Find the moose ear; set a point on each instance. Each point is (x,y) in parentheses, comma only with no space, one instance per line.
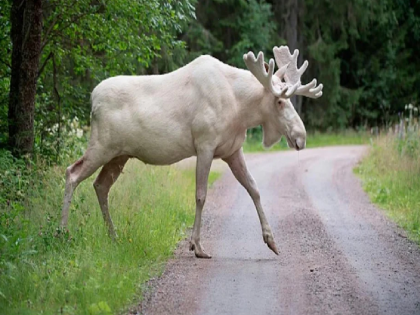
(266,66)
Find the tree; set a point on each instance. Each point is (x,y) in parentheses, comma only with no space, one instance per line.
(241,26)
(289,15)
(365,54)
(26,29)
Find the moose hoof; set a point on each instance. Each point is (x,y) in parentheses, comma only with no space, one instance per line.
(202,255)
(269,240)
(198,251)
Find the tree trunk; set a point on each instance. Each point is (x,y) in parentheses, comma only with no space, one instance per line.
(26,29)
(287,14)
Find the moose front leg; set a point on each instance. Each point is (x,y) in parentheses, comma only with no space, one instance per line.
(237,164)
(204,160)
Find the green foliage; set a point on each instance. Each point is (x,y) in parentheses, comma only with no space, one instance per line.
(346,137)
(242,26)
(391,176)
(14,177)
(113,37)
(364,53)
(62,140)
(5,65)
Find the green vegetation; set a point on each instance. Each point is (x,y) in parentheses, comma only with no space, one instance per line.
(213,176)
(254,145)
(318,139)
(314,140)
(82,271)
(391,177)
(363,52)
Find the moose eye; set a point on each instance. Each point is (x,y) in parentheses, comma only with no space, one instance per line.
(281,104)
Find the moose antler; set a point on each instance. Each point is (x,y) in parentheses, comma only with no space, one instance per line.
(265,76)
(288,72)
(293,74)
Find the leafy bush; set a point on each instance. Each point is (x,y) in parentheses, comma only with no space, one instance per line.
(14,178)
(62,141)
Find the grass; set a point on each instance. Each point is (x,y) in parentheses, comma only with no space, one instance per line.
(391,177)
(313,140)
(318,139)
(46,271)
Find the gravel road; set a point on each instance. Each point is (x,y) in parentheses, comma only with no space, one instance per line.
(338,253)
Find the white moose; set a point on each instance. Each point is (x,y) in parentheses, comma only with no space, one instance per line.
(203,110)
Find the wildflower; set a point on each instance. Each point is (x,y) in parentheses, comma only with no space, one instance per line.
(79,133)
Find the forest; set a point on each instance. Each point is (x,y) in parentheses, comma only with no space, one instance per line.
(53,53)
(364,52)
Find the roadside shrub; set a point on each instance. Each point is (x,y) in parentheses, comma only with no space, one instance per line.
(391,172)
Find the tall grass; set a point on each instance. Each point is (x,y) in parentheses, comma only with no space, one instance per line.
(46,271)
(391,175)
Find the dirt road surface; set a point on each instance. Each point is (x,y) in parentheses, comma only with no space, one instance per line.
(338,253)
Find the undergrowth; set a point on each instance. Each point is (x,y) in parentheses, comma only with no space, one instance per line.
(44,270)
(391,176)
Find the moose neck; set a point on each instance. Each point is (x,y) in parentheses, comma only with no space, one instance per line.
(251,98)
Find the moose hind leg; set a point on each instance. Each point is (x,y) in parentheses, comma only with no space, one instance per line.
(106,178)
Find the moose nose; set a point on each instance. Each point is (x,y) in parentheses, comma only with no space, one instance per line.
(300,143)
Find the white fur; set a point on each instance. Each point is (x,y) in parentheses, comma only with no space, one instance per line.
(162,119)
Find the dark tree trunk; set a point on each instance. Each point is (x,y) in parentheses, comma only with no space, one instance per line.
(287,13)
(292,33)
(16,18)
(26,19)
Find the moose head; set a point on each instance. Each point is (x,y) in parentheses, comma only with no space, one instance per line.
(282,85)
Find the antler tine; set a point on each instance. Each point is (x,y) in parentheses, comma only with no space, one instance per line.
(302,69)
(257,68)
(292,74)
(283,58)
(310,90)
